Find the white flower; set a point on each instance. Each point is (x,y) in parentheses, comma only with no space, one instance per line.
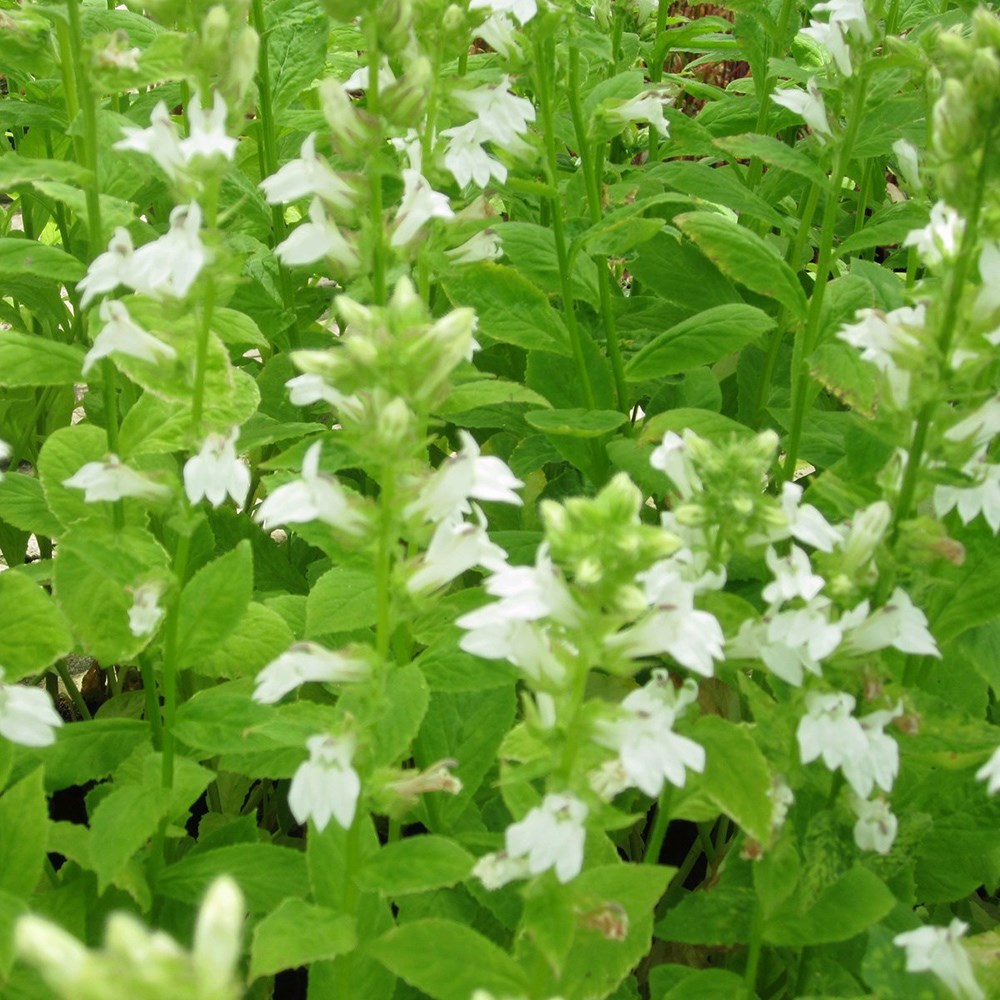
(807,104)
(988,298)
(326,785)
(169,265)
(121,334)
(793,577)
(466,159)
(551,836)
(358,80)
(485,245)
(850,14)
(981,498)
(876,827)
(308,175)
(832,38)
(502,117)
(61,959)
(693,638)
(314,496)
(980,426)
(420,204)
(108,270)
(523,10)
(990,773)
(304,390)
(464,475)
(216,949)
(898,623)
(649,751)
(111,480)
(645,107)
(145,615)
(160,141)
(317,239)
(216,471)
(907,163)
(860,748)
(672,458)
(525,644)
(939,950)
(499,33)
(26,715)
(207,136)
(455,547)
(941,238)
(5,452)
(304,662)
(805,522)
(885,339)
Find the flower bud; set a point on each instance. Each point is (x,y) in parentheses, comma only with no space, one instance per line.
(242,63)
(216,948)
(454,22)
(395,25)
(405,101)
(349,129)
(395,423)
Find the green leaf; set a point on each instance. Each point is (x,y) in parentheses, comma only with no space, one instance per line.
(775,153)
(416,864)
(123,821)
(685,983)
(267,874)
(24,819)
(16,170)
(576,423)
(95,574)
(448,668)
(237,329)
(679,272)
(298,933)
(448,961)
(401,713)
(26,359)
(296,38)
(704,423)
(260,637)
(839,368)
(702,339)
(532,250)
(223,720)
(488,392)
(11,909)
(888,227)
(33,630)
(342,600)
(22,504)
(745,257)
(736,775)
(64,453)
(212,604)
(853,903)
(91,752)
(20,257)
(717,185)
(509,308)
(720,917)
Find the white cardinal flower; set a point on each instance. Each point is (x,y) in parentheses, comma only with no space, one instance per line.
(207,136)
(983,497)
(317,239)
(305,662)
(465,475)
(108,270)
(497,869)
(309,175)
(485,245)
(898,623)
(27,715)
(940,950)
(326,786)
(646,107)
(170,264)
(456,546)
(5,452)
(833,38)
(990,773)
(160,141)
(551,836)
(807,104)
(145,615)
(501,117)
(649,751)
(216,948)
(793,577)
(941,238)
(216,471)
(467,160)
(907,163)
(420,204)
(876,827)
(112,480)
(122,335)
(671,457)
(523,10)
(805,523)
(315,496)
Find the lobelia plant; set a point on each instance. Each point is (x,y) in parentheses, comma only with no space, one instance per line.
(517,482)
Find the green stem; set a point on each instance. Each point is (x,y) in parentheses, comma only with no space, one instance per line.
(349,904)
(383,565)
(374,165)
(661,821)
(170,665)
(805,341)
(149,689)
(207,310)
(591,158)
(72,690)
(753,953)
(545,53)
(656,71)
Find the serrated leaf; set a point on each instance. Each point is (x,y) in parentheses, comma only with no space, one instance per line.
(745,257)
(260,637)
(24,818)
(416,864)
(773,152)
(576,423)
(489,392)
(91,752)
(840,369)
(298,933)
(123,821)
(448,961)
(34,632)
(20,257)
(702,339)
(718,185)
(22,504)
(704,423)
(342,600)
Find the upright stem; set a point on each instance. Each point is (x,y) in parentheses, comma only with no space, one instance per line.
(591,157)
(805,341)
(170,665)
(205,322)
(654,845)
(545,53)
(374,164)
(383,565)
(656,70)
